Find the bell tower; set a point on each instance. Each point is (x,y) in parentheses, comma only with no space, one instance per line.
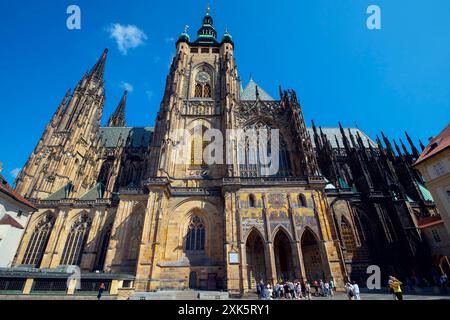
(202,88)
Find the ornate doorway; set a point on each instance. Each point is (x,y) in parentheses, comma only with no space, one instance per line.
(311,257)
(256,267)
(283,257)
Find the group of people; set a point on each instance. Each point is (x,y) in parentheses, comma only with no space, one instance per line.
(295,290)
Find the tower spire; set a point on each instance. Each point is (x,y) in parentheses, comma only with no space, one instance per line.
(414,150)
(99,69)
(207,34)
(117,119)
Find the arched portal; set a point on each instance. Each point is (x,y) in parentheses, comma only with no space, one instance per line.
(256,268)
(311,257)
(283,257)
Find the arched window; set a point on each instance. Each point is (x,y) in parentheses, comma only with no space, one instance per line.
(38,242)
(198,91)
(73,249)
(103,177)
(302,201)
(251,201)
(195,239)
(206,91)
(101,256)
(198,147)
(347,237)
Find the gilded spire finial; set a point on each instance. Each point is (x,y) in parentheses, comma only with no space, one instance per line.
(208,9)
(186,28)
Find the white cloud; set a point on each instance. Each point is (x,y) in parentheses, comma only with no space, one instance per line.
(127,37)
(14,173)
(127,86)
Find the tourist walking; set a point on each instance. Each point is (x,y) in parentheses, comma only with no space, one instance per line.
(331,287)
(101,289)
(327,289)
(396,286)
(356,291)
(349,290)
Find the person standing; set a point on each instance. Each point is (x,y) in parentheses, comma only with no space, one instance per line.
(259,289)
(396,286)
(327,289)
(331,287)
(349,290)
(443,280)
(101,289)
(356,291)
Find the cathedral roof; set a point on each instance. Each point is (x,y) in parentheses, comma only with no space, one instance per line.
(332,132)
(253,90)
(139,137)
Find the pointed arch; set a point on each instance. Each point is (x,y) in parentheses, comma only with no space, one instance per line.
(347,236)
(76,240)
(251,201)
(196,235)
(312,257)
(104,174)
(255,257)
(283,255)
(103,247)
(39,239)
(302,202)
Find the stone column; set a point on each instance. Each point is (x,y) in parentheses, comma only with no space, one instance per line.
(92,244)
(269,253)
(146,273)
(234,275)
(295,245)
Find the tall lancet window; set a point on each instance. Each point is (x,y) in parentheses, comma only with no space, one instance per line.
(195,239)
(76,240)
(255,154)
(38,242)
(203,88)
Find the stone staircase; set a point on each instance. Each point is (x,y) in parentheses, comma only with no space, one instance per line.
(55,297)
(180,295)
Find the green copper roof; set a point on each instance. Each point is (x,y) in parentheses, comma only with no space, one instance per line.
(139,137)
(95,193)
(425,193)
(329,185)
(63,193)
(250,93)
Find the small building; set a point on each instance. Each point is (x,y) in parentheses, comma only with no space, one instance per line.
(14,213)
(434,164)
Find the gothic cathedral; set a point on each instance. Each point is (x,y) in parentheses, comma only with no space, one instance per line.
(115,200)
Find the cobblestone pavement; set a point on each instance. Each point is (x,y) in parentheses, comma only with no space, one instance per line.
(366,296)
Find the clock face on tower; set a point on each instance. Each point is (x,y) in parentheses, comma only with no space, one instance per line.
(203,77)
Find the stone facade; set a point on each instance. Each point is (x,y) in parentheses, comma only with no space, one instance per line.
(117,200)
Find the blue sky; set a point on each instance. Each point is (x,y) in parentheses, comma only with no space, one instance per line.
(393,79)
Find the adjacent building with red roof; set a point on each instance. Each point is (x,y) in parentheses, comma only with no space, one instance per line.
(14,213)
(434,164)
